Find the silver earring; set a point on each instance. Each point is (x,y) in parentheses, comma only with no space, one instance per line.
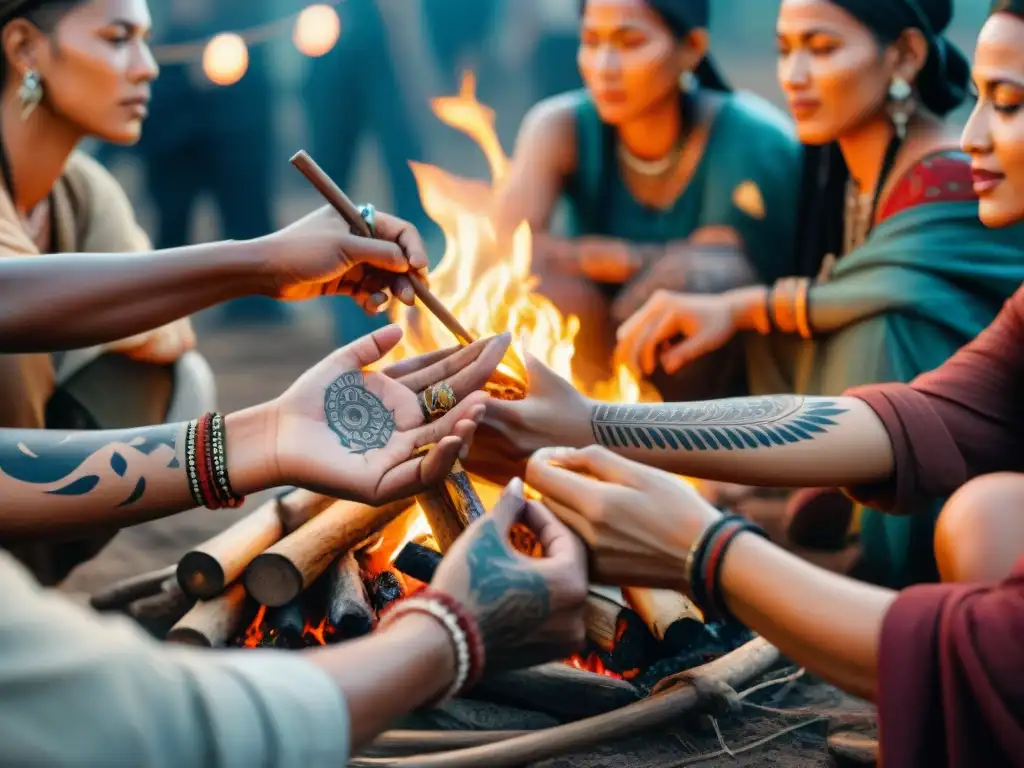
(30,93)
(901,105)
(688,82)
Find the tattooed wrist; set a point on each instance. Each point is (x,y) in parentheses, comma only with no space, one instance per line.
(508,598)
(750,423)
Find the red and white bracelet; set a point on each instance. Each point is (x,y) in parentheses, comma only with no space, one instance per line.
(462,630)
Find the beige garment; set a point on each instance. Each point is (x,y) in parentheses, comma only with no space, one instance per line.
(91,213)
(79,689)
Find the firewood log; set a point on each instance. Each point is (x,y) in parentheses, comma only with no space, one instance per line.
(207,569)
(348,605)
(451,506)
(601,616)
(284,570)
(672,618)
(121,593)
(212,623)
(157,614)
(418,561)
(558,690)
(283,626)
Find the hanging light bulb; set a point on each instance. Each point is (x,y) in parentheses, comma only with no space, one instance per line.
(317,30)
(226,58)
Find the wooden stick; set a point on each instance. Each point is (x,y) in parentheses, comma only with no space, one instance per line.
(284,625)
(348,605)
(418,561)
(284,570)
(734,669)
(205,571)
(121,593)
(157,614)
(212,623)
(343,205)
(451,506)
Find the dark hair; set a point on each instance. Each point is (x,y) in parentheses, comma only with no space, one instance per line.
(44,14)
(942,86)
(682,17)
(1014,7)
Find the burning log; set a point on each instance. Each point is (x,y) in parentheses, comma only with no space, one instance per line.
(451,506)
(673,620)
(386,587)
(205,571)
(157,614)
(348,605)
(121,593)
(418,561)
(211,623)
(284,627)
(284,570)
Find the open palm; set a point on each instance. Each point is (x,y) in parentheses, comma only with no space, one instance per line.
(353,433)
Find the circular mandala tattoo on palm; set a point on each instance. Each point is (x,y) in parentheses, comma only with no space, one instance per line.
(356,415)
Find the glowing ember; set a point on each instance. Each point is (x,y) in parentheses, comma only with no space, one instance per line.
(316,633)
(254,632)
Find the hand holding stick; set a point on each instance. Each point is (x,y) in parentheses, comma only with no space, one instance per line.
(344,206)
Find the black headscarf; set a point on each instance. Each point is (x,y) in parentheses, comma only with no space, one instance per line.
(1008,6)
(682,17)
(941,86)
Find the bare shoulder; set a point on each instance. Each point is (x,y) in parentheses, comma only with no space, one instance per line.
(548,131)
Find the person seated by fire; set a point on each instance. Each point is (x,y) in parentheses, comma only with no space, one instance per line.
(942,661)
(896,269)
(669,179)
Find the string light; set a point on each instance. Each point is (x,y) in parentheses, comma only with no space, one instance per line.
(317,30)
(226,58)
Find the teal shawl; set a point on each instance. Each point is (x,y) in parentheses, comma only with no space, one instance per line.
(926,282)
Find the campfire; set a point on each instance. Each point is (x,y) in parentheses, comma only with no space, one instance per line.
(304,569)
(308,570)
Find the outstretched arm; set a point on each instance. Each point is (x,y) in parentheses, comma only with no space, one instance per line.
(101,297)
(781,440)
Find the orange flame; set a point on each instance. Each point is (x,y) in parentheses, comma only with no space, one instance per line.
(489,291)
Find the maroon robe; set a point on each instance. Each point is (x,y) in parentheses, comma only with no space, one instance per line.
(951,664)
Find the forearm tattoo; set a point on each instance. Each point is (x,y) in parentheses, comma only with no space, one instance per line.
(76,463)
(356,415)
(511,600)
(742,423)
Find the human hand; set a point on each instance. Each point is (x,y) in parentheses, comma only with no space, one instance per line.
(529,610)
(319,255)
(353,433)
(552,413)
(706,324)
(601,259)
(160,346)
(639,522)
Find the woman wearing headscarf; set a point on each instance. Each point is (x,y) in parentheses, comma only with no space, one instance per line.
(669,179)
(943,662)
(896,272)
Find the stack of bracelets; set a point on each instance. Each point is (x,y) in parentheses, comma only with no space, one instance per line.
(786,307)
(206,459)
(462,628)
(704,565)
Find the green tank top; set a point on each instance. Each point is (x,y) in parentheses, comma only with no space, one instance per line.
(747,178)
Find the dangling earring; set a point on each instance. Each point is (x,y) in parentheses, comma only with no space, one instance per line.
(688,82)
(901,105)
(30,93)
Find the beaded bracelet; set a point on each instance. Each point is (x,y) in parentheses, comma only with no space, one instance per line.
(206,463)
(462,630)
